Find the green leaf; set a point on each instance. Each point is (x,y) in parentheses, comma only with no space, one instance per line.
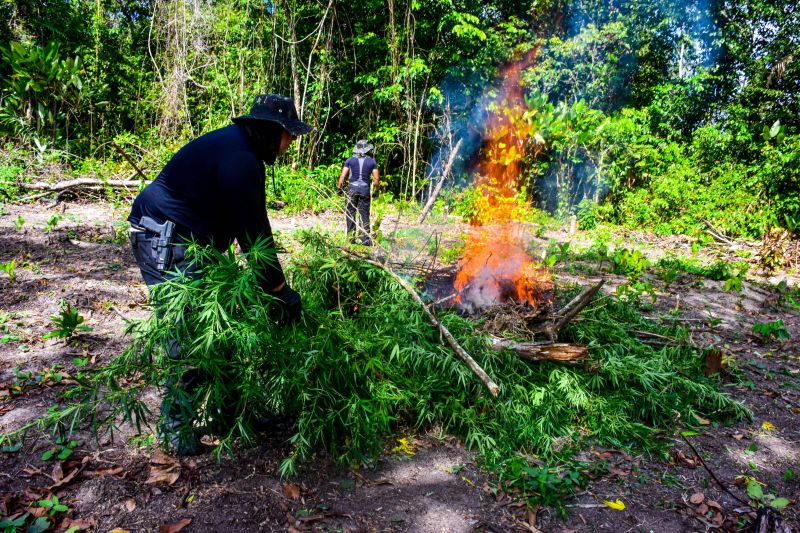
(17,522)
(46,456)
(689,433)
(754,490)
(779,503)
(775,129)
(66,452)
(11,448)
(40,525)
(47,504)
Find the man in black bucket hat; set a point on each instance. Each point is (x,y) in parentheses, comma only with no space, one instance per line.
(361,169)
(213,191)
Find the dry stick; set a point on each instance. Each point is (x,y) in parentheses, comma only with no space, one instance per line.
(438,189)
(569,311)
(494,389)
(723,487)
(79,182)
(128,159)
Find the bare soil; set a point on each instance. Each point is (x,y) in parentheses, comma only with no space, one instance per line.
(434,485)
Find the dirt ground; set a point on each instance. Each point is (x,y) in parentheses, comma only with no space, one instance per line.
(125,485)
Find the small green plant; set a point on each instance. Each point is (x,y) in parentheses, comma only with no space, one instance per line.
(770,330)
(120,231)
(632,291)
(451,253)
(10,268)
(19,223)
(668,275)
(735,275)
(52,223)
(556,252)
(47,510)
(630,263)
(759,499)
(62,449)
(66,323)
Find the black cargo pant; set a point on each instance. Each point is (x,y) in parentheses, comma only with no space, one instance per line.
(358,201)
(178,407)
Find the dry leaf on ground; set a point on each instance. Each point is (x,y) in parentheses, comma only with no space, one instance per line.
(175,526)
(697,497)
(168,475)
(290,490)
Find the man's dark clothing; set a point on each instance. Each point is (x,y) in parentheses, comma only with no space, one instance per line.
(358,197)
(213,190)
(358,202)
(360,174)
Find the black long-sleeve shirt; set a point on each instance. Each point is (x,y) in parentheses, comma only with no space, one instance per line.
(213,190)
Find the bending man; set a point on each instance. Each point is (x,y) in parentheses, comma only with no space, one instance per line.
(213,191)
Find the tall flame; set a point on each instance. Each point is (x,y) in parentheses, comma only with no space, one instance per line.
(496,267)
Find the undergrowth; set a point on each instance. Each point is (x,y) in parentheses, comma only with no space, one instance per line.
(364,361)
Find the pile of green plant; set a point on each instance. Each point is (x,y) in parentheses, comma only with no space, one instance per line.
(364,362)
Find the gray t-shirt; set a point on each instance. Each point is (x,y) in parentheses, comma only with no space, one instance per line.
(360,173)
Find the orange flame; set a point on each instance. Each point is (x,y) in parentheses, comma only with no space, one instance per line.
(496,267)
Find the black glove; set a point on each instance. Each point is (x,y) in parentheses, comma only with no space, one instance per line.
(290,303)
(374,192)
(340,191)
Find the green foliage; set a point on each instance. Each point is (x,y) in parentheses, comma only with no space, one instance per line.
(769,330)
(67,323)
(364,359)
(52,222)
(63,449)
(10,268)
(40,92)
(306,190)
(761,499)
(734,276)
(631,263)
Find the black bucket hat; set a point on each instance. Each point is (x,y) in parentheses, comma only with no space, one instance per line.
(363,147)
(278,109)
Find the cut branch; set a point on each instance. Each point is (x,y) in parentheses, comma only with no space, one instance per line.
(494,389)
(552,328)
(78,183)
(542,351)
(438,189)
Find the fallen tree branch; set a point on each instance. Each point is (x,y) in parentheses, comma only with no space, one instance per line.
(542,351)
(438,189)
(570,311)
(717,234)
(494,389)
(79,182)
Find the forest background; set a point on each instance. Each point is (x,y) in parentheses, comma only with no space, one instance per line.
(648,113)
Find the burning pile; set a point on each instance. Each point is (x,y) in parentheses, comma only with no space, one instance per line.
(496,267)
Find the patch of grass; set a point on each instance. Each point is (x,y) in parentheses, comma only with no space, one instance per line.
(365,360)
